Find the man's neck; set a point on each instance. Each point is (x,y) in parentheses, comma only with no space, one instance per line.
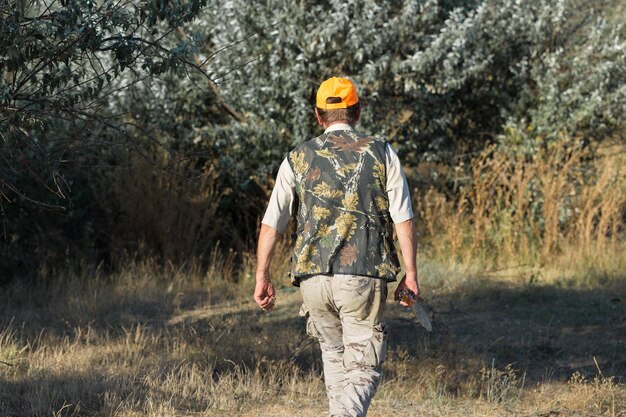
(339,125)
(344,122)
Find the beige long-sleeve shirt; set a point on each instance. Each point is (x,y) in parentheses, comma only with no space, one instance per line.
(280,207)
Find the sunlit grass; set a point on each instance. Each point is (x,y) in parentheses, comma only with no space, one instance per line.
(153,341)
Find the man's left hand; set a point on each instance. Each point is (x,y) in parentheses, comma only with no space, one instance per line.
(409,282)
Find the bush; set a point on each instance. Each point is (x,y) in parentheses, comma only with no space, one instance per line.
(437,77)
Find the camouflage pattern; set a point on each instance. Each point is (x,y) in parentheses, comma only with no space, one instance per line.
(344,226)
(345,314)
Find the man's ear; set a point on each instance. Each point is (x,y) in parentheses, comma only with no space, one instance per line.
(319,119)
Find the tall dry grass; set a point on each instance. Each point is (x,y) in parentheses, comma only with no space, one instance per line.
(166,204)
(151,339)
(160,339)
(563,204)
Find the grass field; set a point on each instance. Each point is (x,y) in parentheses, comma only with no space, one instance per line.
(157,342)
(528,308)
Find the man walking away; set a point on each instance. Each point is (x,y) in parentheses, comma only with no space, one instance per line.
(349,189)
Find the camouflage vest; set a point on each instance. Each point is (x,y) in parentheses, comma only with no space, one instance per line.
(343,222)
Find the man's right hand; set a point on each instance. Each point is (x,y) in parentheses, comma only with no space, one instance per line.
(264,293)
(410,283)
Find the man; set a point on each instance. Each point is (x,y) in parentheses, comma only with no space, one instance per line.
(349,188)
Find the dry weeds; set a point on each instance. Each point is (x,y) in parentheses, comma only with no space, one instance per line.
(156,341)
(557,205)
(524,278)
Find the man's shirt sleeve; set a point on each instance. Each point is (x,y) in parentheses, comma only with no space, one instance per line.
(279,208)
(400,207)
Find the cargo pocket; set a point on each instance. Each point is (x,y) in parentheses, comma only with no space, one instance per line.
(311,330)
(367,354)
(376,349)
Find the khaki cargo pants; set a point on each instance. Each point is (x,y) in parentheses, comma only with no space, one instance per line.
(345,313)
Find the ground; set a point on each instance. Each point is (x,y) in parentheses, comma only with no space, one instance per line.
(499,347)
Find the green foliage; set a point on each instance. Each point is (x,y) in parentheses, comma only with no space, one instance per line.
(64,67)
(436,77)
(62,61)
(579,83)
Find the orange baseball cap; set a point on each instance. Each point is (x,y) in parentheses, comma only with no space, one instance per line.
(336,87)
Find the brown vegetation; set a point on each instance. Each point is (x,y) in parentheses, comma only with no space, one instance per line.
(158,341)
(167,203)
(543,339)
(558,205)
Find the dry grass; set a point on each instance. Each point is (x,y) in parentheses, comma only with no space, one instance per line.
(157,341)
(556,208)
(166,202)
(542,339)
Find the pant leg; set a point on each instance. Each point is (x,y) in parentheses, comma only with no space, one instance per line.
(361,303)
(324,324)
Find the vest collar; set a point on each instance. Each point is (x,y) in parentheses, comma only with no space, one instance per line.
(338,126)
